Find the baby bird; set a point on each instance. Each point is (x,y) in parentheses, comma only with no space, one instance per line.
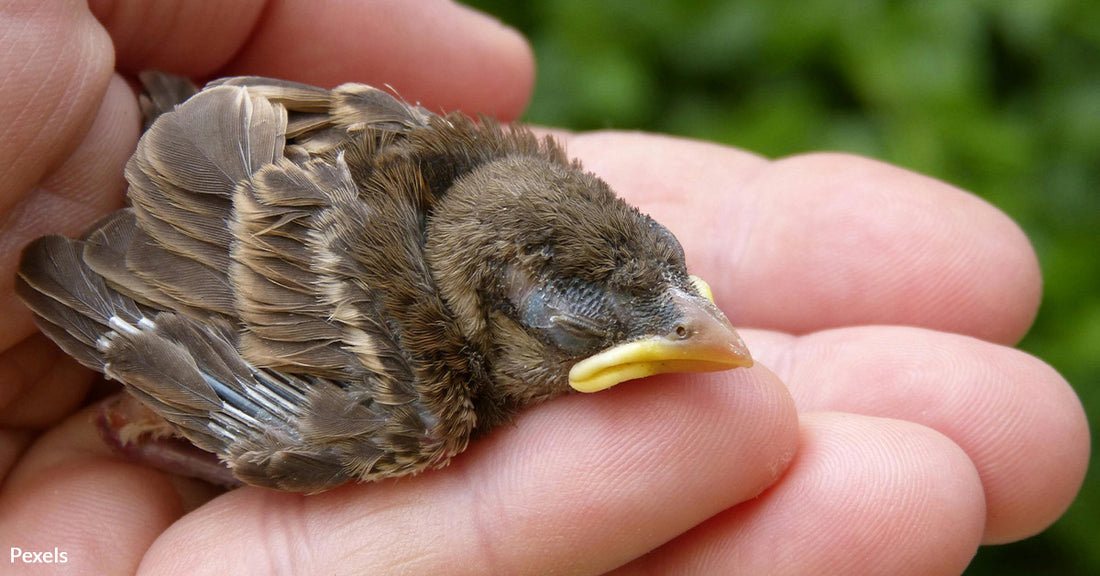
(319,286)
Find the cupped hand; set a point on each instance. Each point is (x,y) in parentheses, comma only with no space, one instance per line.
(887,428)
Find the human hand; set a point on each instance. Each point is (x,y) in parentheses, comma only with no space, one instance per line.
(914,443)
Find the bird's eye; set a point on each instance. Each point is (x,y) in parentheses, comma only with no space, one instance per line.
(576,333)
(571,317)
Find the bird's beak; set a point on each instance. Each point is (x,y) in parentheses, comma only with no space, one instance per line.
(702,341)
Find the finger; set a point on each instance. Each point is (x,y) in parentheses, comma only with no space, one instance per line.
(825,240)
(442,54)
(581,485)
(1017,419)
(67,494)
(864,496)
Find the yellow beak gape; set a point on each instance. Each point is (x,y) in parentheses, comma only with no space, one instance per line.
(702,341)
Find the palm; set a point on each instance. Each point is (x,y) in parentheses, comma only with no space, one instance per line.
(918,435)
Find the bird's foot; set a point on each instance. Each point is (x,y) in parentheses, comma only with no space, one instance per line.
(134,431)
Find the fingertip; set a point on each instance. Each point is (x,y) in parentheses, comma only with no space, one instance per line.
(863,496)
(1018,420)
(848,240)
(1035,462)
(891,496)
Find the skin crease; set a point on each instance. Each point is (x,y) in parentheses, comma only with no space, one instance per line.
(880,301)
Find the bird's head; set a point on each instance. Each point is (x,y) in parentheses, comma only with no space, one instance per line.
(563,284)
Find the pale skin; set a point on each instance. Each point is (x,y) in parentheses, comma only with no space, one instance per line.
(888,427)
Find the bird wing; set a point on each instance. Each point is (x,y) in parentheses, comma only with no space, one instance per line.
(230,223)
(227,217)
(182,177)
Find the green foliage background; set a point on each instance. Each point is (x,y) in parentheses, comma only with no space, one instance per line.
(998,97)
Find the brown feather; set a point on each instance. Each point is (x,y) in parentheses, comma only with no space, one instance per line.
(105,252)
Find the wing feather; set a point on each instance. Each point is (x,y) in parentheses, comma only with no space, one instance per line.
(261,294)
